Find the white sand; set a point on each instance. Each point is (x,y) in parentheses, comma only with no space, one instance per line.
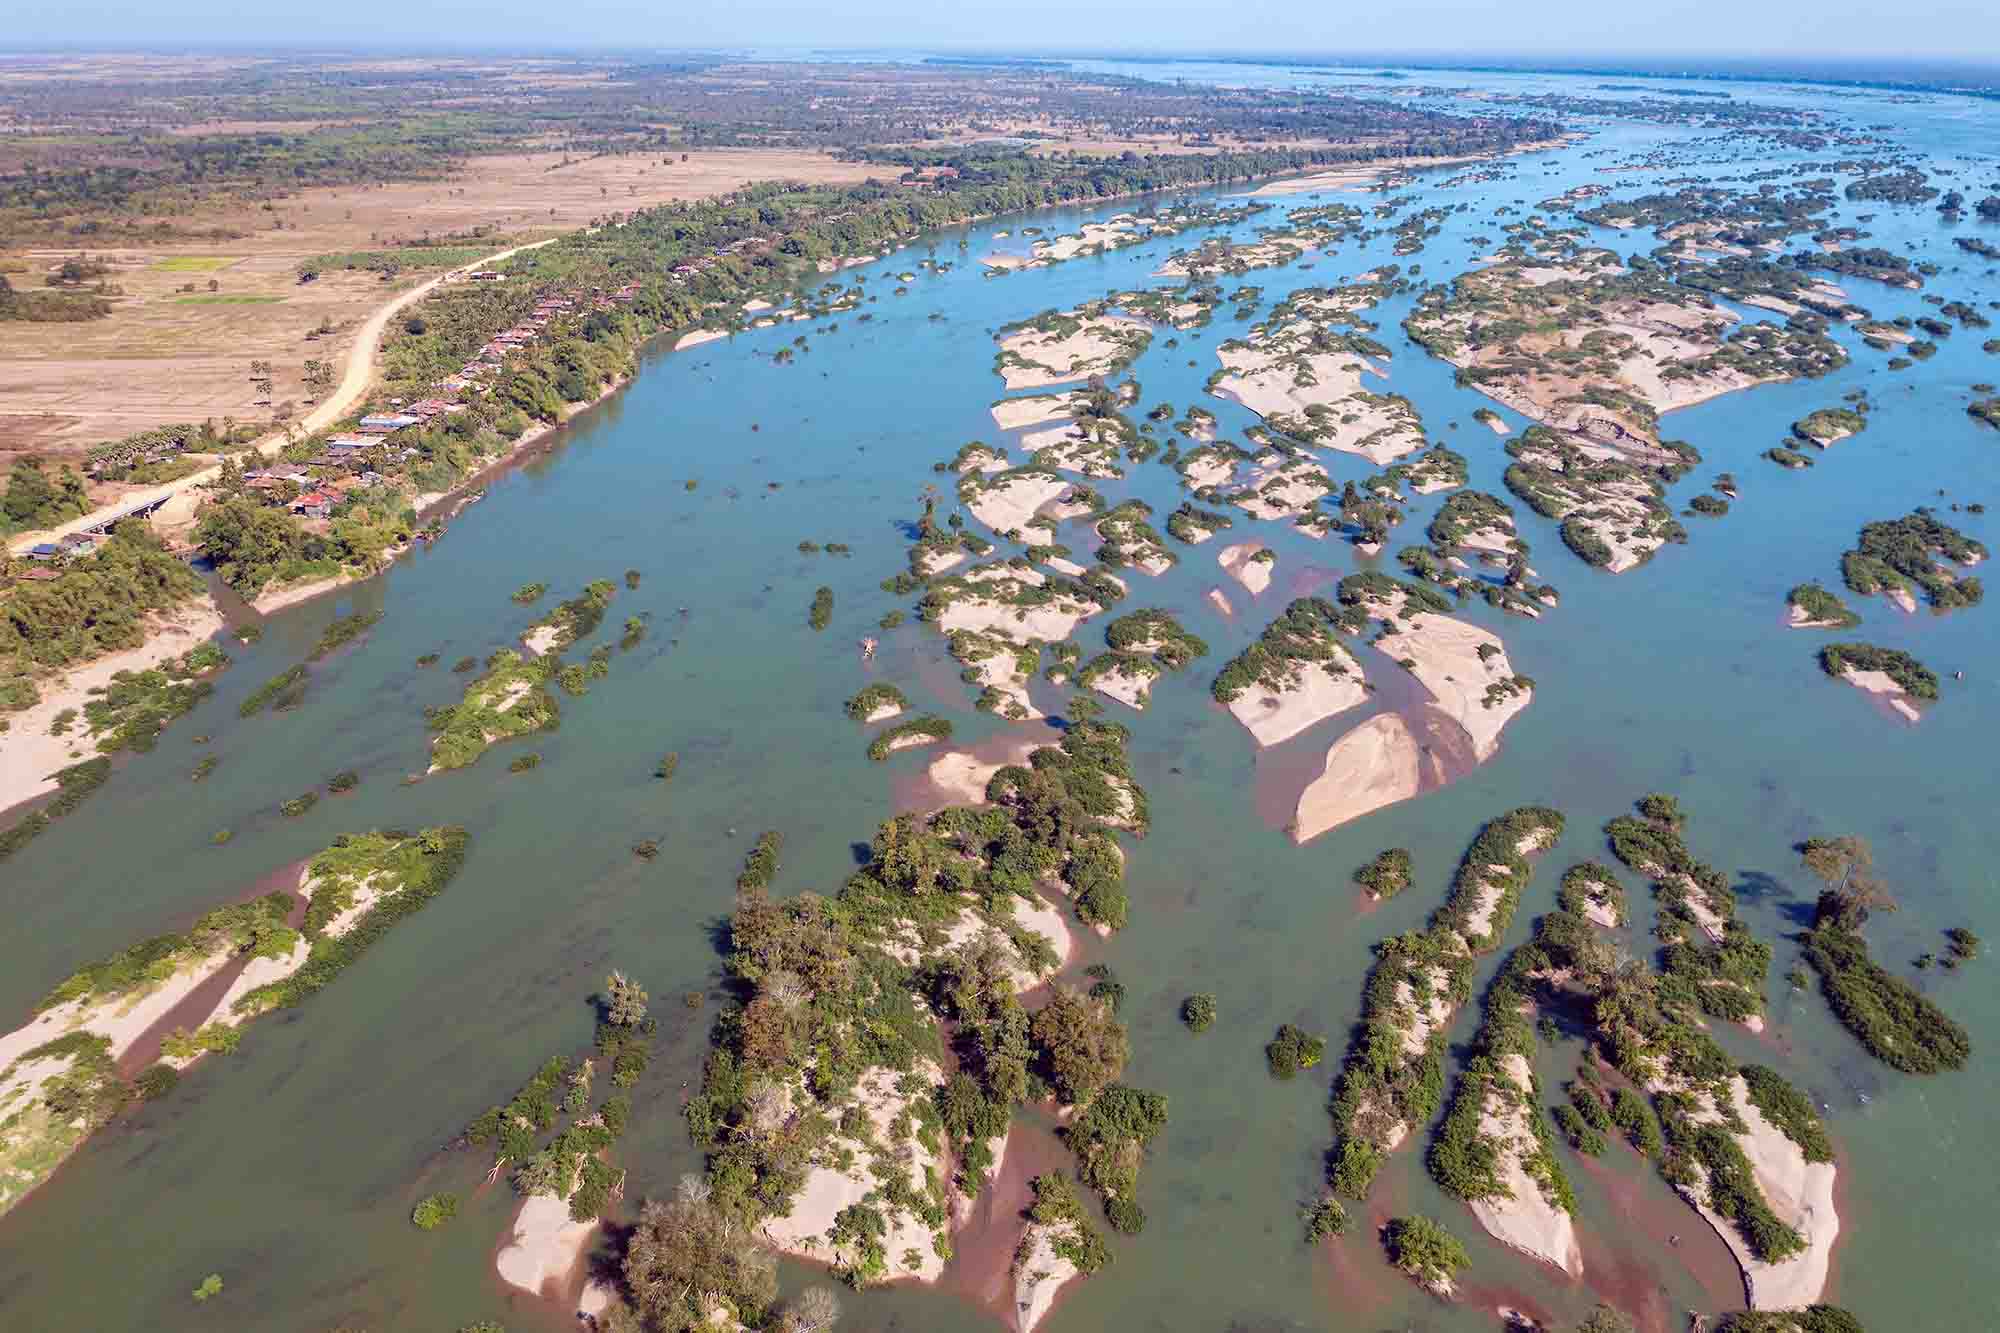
(1315,694)
(1002,672)
(828,1189)
(696,337)
(544,1246)
(1039,1275)
(1035,410)
(1880,683)
(1129,683)
(1011,505)
(1800,1193)
(1446,653)
(935,563)
(1051,622)
(1376,764)
(29,756)
(1046,359)
(277,599)
(883,712)
(1220,602)
(541,640)
(1527,1222)
(911,741)
(1254,575)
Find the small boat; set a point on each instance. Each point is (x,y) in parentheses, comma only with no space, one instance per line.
(867,649)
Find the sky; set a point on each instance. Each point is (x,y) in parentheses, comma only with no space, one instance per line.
(1924,29)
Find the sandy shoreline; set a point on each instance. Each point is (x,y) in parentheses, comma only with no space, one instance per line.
(29,756)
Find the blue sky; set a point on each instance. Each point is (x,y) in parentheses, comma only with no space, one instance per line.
(1790,28)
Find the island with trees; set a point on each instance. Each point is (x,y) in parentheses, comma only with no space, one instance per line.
(119,1027)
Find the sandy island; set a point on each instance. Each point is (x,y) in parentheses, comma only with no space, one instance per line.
(1527,1222)
(1312,694)
(1798,1191)
(544,1247)
(1254,575)
(1376,764)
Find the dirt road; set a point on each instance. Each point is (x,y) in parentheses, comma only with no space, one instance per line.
(182,495)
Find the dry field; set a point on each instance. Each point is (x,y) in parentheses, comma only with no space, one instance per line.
(165,356)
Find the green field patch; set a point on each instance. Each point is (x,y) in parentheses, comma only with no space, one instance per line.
(194,263)
(227,298)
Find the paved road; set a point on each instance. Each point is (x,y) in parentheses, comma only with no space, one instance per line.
(182,495)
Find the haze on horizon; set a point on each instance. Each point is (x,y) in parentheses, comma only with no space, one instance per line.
(1949,31)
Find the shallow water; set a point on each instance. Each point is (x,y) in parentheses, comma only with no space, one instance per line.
(290,1167)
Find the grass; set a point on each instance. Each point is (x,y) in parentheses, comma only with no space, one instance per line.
(227,298)
(193,263)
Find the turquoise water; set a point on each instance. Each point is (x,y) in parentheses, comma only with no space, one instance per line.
(290,1166)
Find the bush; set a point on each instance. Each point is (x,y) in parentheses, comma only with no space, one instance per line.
(1293,1050)
(434,1211)
(1898,1024)
(1424,1250)
(1198,1012)
(156,1081)
(1387,875)
(1324,1219)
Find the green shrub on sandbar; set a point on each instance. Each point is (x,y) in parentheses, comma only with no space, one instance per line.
(409,870)
(873,697)
(917,731)
(510,699)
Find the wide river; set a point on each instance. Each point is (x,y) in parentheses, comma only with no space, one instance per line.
(290,1166)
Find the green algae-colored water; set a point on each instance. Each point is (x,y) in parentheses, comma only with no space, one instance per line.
(290,1166)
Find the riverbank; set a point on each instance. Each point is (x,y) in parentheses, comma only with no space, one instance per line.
(30,755)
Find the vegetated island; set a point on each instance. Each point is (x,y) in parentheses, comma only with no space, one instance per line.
(1896,1023)
(877,703)
(1392,1080)
(1595,351)
(1295,676)
(1303,370)
(1896,556)
(127,1025)
(1897,678)
(1063,346)
(831,1128)
(1143,646)
(1744,1147)
(1813,607)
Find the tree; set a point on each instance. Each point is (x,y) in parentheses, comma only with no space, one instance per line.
(687,1257)
(1604,1319)
(1425,1250)
(1846,865)
(927,525)
(816,1308)
(1081,1045)
(625,1002)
